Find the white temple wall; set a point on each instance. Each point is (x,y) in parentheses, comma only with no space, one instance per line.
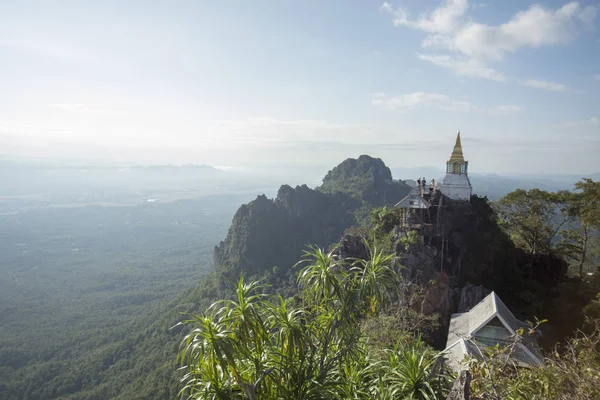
(457,187)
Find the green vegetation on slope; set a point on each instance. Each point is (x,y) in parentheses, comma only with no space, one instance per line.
(312,346)
(568,373)
(88,296)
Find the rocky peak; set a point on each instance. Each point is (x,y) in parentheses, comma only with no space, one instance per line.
(367,179)
(470,296)
(363,166)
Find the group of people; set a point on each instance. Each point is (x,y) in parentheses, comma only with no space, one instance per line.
(422,182)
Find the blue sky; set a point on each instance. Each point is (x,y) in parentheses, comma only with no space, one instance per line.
(303,83)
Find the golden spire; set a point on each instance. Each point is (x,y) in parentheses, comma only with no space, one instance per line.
(457,154)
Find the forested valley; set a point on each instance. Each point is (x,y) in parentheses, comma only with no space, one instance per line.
(89,293)
(175,299)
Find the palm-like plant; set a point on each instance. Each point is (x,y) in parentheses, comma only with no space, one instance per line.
(208,351)
(289,327)
(228,346)
(376,278)
(321,280)
(415,372)
(252,347)
(242,314)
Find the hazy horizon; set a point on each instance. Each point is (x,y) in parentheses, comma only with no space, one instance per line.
(310,171)
(259,84)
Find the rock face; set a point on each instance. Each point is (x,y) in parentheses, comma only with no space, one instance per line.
(470,295)
(367,179)
(439,297)
(266,233)
(353,246)
(421,262)
(476,250)
(445,299)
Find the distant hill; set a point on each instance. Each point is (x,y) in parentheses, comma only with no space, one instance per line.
(60,185)
(496,186)
(366,179)
(273,232)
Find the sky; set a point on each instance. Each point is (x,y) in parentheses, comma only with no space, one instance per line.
(302,83)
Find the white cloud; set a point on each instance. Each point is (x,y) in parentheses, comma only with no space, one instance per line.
(69,107)
(439,101)
(239,135)
(273,133)
(504,110)
(535,27)
(52,49)
(463,66)
(82,109)
(443,19)
(592,122)
(553,86)
(597,77)
(475,44)
(420,99)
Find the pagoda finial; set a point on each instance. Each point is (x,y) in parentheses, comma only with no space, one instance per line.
(457,154)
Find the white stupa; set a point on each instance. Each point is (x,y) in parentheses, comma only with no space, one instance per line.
(456,184)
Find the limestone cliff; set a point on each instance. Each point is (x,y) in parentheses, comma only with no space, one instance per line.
(475,258)
(367,179)
(268,233)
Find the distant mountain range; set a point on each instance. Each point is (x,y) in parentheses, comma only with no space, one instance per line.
(493,186)
(51,166)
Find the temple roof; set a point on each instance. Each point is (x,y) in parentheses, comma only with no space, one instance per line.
(457,153)
(413,200)
(465,333)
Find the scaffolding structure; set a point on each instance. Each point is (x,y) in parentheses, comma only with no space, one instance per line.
(422,212)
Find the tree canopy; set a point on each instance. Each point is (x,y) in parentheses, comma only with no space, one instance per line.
(532,218)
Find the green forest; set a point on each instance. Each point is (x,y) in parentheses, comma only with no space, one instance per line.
(314,294)
(89,293)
